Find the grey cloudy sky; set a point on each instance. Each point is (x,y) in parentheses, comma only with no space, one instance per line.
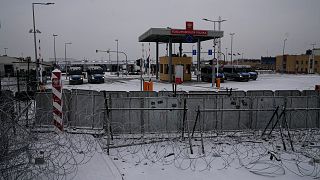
(260,26)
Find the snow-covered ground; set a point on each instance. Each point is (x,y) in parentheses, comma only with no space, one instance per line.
(225,158)
(264,82)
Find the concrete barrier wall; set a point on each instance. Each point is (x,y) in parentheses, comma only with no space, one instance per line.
(143,94)
(287,93)
(86,109)
(260,93)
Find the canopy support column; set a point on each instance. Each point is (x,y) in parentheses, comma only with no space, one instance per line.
(198,59)
(157,60)
(170,60)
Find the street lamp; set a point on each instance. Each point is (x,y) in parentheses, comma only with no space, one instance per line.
(231,34)
(35,39)
(54,49)
(226,56)
(214,47)
(284,45)
(117,57)
(65,57)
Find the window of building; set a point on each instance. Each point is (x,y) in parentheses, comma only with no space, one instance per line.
(301,62)
(315,62)
(297,62)
(307,62)
(161,68)
(306,70)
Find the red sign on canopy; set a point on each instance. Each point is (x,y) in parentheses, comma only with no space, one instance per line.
(192,32)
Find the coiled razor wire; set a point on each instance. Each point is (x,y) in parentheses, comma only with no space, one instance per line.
(223,150)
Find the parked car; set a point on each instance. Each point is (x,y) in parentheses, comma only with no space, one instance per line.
(206,74)
(75,75)
(95,74)
(236,72)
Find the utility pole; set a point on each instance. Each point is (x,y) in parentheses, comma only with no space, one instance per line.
(231,34)
(118,70)
(54,49)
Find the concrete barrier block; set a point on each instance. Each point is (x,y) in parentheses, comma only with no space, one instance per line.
(260,93)
(287,93)
(142,94)
(310,93)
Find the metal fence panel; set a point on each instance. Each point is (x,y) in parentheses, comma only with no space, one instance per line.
(313,115)
(261,118)
(192,105)
(158,120)
(211,118)
(43,116)
(125,121)
(303,117)
(297,118)
(86,109)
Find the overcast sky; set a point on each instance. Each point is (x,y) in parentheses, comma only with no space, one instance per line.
(260,26)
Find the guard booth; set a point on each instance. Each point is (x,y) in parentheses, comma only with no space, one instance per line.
(185,62)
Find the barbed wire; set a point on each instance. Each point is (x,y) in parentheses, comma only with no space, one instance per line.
(27,153)
(223,150)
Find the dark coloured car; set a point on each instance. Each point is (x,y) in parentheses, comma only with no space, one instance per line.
(75,75)
(236,72)
(206,74)
(253,74)
(75,79)
(95,74)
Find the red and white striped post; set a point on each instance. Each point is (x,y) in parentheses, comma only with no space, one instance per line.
(57,99)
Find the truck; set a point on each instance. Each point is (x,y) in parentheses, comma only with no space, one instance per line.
(95,74)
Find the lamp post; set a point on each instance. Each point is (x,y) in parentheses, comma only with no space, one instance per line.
(35,39)
(54,49)
(65,57)
(231,34)
(284,45)
(214,47)
(117,57)
(226,56)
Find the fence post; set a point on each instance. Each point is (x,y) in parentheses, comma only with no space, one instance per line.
(106,117)
(184,117)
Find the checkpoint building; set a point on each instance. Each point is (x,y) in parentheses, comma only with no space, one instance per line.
(170,35)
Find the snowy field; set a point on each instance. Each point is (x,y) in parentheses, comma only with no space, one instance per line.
(264,82)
